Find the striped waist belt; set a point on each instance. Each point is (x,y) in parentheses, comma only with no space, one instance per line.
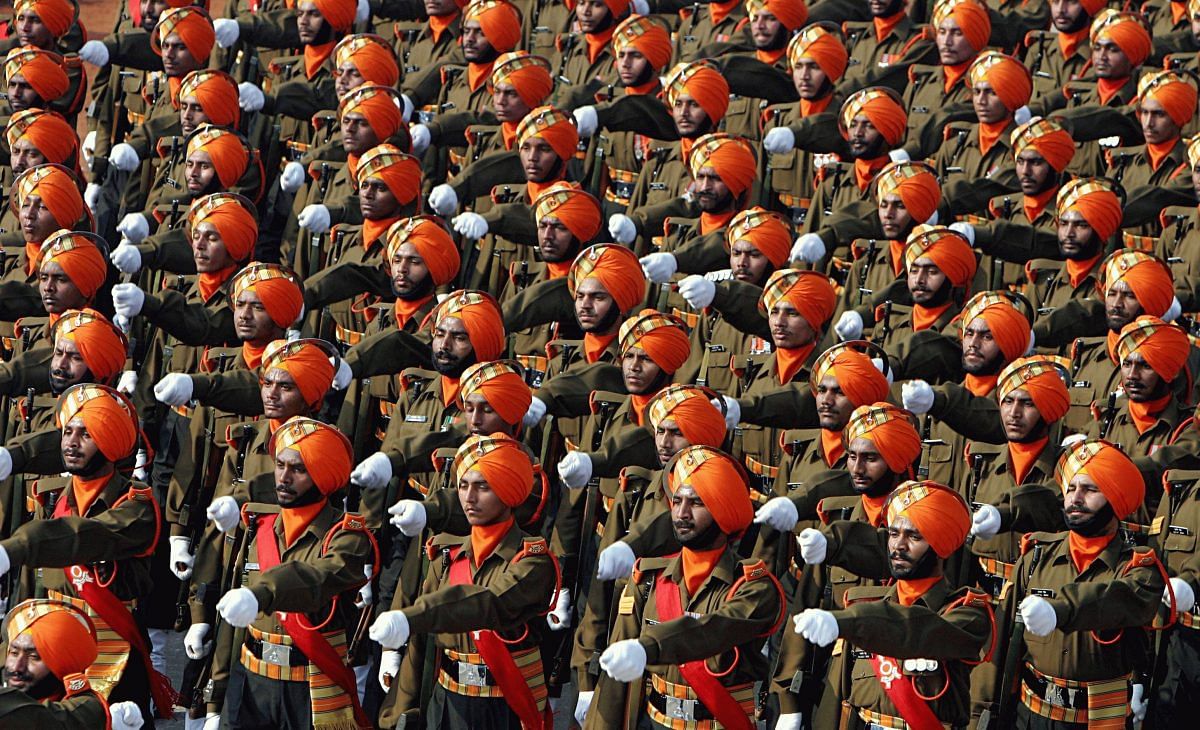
(1095,703)
(676,706)
(880,721)
(465,673)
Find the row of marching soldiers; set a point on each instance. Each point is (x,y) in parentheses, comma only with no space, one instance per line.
(671,366)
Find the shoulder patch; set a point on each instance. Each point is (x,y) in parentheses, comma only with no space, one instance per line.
(754,570)
(1143,558)
(142,495)
(535,546)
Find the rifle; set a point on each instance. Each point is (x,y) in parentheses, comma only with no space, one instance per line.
(1012,659)
(964,570)
(1110,413)
(872,249)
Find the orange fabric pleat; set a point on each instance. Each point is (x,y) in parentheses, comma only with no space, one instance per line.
(923,317)
(1145,415)
(697,565)
(789,361)
(980,385)
(595,345)
(297,519)
(485,538)
(1084,550)
(86,491)
(1024,456)
(908,591)
(832,446)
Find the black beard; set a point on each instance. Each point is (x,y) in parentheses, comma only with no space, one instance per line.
(92,467)
(555,173)
(875,149)
(880,487)
(419,291)
(988,367)
(703,541)
(44,688)
(1085,253)
(456,367)
(779,41)
(1095,525)
(60,380)
(312,496)
(923,568)
(1037,432)
(701,130)
(647,74)
(568,255)
(662,380)
(609,320)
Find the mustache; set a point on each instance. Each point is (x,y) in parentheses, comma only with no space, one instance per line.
(21,676)
(285,489)
(683,524)
(897,555)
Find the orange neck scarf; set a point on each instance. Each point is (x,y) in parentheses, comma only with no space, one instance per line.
(864,171)
(1035,205)
(404,310)
(32,250)
(557,269)
(816,106)
(1108,88)
(908,591)
(86,491)
(832,446)
(508,131)
(790,360)
(1077,271)
(1022,457)
(697,566)
(685,148)
(594,345)
(1113,338)
(450,390)
(710,222)
(770,57)
(478,74)
(953,74)
(990,133)
(174,84)
(1085,550)
(439,24)
(873,506)
(211,282)
(274,424)
(718,11)
(252,355)
(1068,43)
(924,317)
(646,89)
(1145,415)
(639,403)
(485,538)
(1158,151)
(885,26)
(1178,11)
(297,519)
(314,57)
(980,385)
(373,230)
(597,42)
(534,189)
(896,249)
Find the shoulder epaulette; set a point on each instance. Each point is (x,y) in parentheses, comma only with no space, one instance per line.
(754,569)
(76,684)
(533,545)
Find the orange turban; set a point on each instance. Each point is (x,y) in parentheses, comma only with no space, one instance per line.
(325,451)
(661,336)
(371,55)
(217,94)
(502,462)
(948,250)
(1148,277)
(1048,139)
(1126,31)
(108,416)
(229,155)
(553,125)
(1094,199)
(689,406)
(1113,472)
(278,289)
(1007,76)
(79,256)
(763,229)
(47,131)
(574,207)
(811,293)
(433,243)
(1091,7)
(970,17)
(823,46)
(56,15)
(502,384)
(191,24)
(101,345)
(890,429)
(400,171)
(915,183)
(1165,347)
(791,13)
(616,268)
(528,74)
(719,481)
(1042,378)
(939,513)
(499,20)
(377,104)
(58,189)
(1008,324)
(732,158)
(481,316)
(1171,90)
(307,361)
(63,635)
(701,81)
(42,69)
(882,108)
(856,375)
(645,35)
(230,215)
(338,13)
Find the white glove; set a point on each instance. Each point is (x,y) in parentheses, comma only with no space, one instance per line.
(5,563)
(808,248)
(89,153)
(250,97)
(615,561)
(1022,115)
(1185,597)
(659,267)
(916,396)
(128,382)
(125,715)
(1073,439)
(135,227)
(194,641)
(408,516)
(389,667)
(94,52)
(362,11)
(779,141)
(126,257)
(443,200)
(1138,704)
(985,522)
(585,698)
(366,594)
(123,157)
(813,546)
(141,464)
(849,326)
(535,414)
(406,108)
(899,155)
(343,376)
(390,629)
(640,7)
(733,411)
(374,472)
(624,661)
(224,513)
(622,228)
(1039,615)
(420,136)
(697,291)
(586,121)
(5,463)
(227,31)
(128,300)
(816,625)
(919,665)
(559,617)
(212,721)
(174,389)
(1173,311)
(778,512)
(91,194)
(472,226)
(314,217)
(182,559)
(292,177)
(965,229)
(238,607)
(575,469)
(932,220)
(790,721)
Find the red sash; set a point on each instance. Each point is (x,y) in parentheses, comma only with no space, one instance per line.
(900,691)
(314,646)
(708,689)
(114,613)
(499,660)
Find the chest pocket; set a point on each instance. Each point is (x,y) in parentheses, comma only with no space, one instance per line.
(1180,539)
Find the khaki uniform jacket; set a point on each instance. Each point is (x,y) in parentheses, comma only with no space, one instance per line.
(884,62)
(83,711)
(930,106)
(1050,69)
(971,177)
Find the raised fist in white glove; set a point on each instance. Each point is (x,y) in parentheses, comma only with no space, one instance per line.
(135,227)
(586,121)
(182,559)
(128,300)
(314,217)
(790,721)
(916,396)
(966,230)
(419,134)
(128,382)
(366,594)
(808,248)
(224,513)
(250,97)
(582,704)
(408,516)
(406,108)
(126,257)
(1185,597)
(1138,704)
(615,561)
(88,148)
(985,522)
(816,625)
(779,141)
(624,661)
(1022,115)
(559,617)
(94,53)
(292,177)
(780,513)
(239,607)
(697,291)
(362,11)
(849,326)
(899,155)
(125,716)
(5,463)
(389,667)
(123,157)
(343,375)
(175,389)
(535,414)
(622,228)
(733,411)
(1073,439)
(390,629)
(443,200)
(575,469)
(659,267)
(471,226)
(226,31)
(1038,614)
(91,194)
(374,472)
(813,546)
(194,643)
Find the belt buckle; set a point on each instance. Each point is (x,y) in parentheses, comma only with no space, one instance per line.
(680,709)
(472,675)
(1057,696)
(278,654)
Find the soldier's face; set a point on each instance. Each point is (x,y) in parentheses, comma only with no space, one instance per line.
(909,553)
(869,472)
(894,218)
(1141,382)
(788,328)
(80,454)
(376,201)
(1082,500)
(668,440)
(198,172)
(539,160)
(1068,15)
(642,375)
(452,349)
(1077,239)
(281,396)
(927,283)
(1196,179)
(884,8)
(409,272)
(31,31)
(556,243)
(208,249)
(1157,125)
(833,405)
(593,16)
(482,419)
(252,322)
(150,11)
(1109,61)
(191,114)
(1121,306)
(595,309)
(177,60)
(1021,418)
(633,67)
(689,517)
(988,107)
(712,194)
(23,666)
(310,24)
(1034,173)
(25,156)
(952,44)
(981,354)
(476,47)
(438,8)
(67,366)
(357,134)
(767,32)
(21,95)
(292,480)
(810,81)
(748,263)
(480,504)
(1195,23)
(690,120)
(57,291)
(508,104)
(347,78)
(865,140)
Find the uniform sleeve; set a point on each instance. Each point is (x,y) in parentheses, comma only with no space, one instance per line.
(976,418)
(632,446)
(30,369)
(191,323)
(235,391)
(1016,242)
(386,353)
(858,547)
(513,596)
(81,712)
(168,250)
(1128,601)
(737,302)
(790,406)
(119,533)
(538,304)
(345,281)
(270,29)
(748,615)
(1031,508)
(568,394)
(961,633)
(310,585)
